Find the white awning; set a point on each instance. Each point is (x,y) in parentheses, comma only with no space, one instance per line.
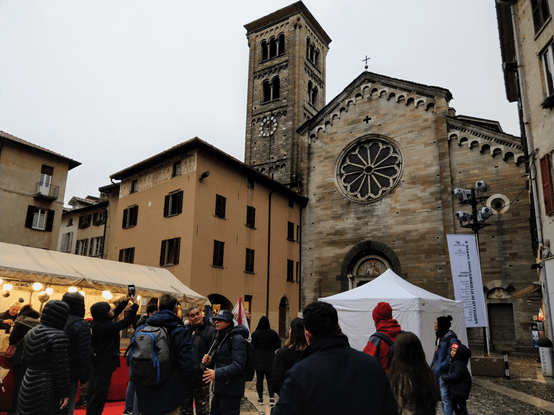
(26,264)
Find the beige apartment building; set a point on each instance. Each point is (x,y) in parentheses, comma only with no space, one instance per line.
(527,44)
(223,229)
(32,188)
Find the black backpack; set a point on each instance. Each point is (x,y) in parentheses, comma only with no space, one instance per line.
(376,339)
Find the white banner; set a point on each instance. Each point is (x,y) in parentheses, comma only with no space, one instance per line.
(466,274)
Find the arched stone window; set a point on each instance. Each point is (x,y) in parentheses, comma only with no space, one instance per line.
(281,44)
(274,47)
(368,169)
(265,50)
(271,90)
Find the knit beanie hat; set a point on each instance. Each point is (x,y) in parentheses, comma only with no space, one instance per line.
(100,311)
(382,311)
(76,303)
(55,314)
(443,325)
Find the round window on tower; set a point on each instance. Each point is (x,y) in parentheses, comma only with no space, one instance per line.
(368,169)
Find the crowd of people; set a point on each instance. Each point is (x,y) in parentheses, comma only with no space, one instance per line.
(314,372)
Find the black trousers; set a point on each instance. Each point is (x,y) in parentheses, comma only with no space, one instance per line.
(97,391)
(459,405)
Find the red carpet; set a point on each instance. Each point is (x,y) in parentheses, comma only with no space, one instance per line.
(111,408)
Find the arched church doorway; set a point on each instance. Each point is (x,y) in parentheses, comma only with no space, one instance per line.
(365,262)
(284,310)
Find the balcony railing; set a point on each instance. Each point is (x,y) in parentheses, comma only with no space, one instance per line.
(49,192)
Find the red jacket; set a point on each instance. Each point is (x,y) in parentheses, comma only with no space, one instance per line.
(391,328)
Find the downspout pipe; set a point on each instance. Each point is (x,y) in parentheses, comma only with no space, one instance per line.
(268,254)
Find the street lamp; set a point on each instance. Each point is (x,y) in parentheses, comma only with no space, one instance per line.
(475,221)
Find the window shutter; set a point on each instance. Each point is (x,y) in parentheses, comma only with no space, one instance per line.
(134,216)
(49,220)
(125,214)
(30,214)
(176,250)
(179,202)
(131,255)
(547,188)
(166,206)
(121,255)
(162,254)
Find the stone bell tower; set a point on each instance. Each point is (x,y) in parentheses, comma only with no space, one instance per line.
(286,87)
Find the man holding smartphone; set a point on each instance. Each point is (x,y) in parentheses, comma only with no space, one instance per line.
(105,348)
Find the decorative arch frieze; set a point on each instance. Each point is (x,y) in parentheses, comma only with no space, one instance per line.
(493,146)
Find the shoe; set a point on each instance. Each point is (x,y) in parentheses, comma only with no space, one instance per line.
(271,402)
(260,401)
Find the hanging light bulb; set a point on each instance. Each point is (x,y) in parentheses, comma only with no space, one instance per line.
(107,295)
(7,287)
(37,286)
(82,293)
(49,291)
(138,297)
(72,290)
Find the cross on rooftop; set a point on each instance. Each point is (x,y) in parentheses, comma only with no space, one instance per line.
(365,60)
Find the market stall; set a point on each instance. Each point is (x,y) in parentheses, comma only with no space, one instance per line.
(34,276)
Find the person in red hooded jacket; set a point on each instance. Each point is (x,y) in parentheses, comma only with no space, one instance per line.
(387,330)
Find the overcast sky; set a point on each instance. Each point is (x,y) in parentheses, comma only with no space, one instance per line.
(111,83)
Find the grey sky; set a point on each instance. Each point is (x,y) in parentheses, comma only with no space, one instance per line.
(110,83)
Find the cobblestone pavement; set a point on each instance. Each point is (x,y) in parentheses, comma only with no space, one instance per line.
(527,392)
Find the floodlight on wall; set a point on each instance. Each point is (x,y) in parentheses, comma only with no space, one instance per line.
(204,175)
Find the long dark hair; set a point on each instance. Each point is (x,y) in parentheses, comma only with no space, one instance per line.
(412,380)
(297,339)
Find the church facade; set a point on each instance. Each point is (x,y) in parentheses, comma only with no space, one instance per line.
(379,163)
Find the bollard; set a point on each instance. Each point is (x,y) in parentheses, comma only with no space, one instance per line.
(506,365)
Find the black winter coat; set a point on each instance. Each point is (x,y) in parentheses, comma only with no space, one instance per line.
(230,361)
(265,341)
(105,339)
(202,337)
(285,359)
(47,377)
(459,378)
(80,350)
(333,378)
(23,323)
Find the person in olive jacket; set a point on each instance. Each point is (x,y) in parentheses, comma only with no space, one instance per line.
(105,349)
(459,378)
(78,331)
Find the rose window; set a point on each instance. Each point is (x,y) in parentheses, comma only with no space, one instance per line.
(369,169)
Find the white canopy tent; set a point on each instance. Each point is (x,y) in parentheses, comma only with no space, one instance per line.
(22,264)
(415,309)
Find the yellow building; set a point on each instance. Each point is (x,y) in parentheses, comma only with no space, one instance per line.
(223,229)
(32,187)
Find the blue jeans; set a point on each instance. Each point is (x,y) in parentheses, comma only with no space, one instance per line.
(445,396)
(131,406)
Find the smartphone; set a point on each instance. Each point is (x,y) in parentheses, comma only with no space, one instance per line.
(131,291)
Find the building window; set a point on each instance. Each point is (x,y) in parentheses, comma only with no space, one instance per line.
(250,216)
(298,233)
(290,202)
(547,186)
(67,239)
(70,222)
(127,255)
(275,47)
(369,169)
(297,271)
(170,252)
(250,182)
(312,54)
(218,254)
(290,270)
(81,248)
(220,203)
(134,186)
(130,216)
(290,231)
(173,204)
(99,218)
(96,246)
(271,89)
(84,221)
(312,93)
(249,265)
(45,181)
(541,13)
(39,219)
(176,170)
(547,61)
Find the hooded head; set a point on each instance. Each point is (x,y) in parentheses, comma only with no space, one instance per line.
(382,311)
(263,323)
(55,314)
(443,325)
(76,303)
(100,311)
